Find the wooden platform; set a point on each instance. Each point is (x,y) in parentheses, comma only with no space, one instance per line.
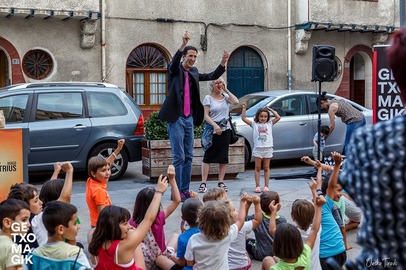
(157,155)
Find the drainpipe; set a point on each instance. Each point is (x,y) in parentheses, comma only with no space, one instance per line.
(289,45)
(103,40)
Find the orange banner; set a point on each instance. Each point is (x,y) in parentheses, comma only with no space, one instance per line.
(11,159)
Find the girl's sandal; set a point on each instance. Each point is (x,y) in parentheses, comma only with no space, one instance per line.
(223,186)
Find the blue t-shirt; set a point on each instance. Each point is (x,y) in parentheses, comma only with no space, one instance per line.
(182,243)
(331,239)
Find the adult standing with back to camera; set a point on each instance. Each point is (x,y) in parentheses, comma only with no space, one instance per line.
(375,177)
(350,116)
(218,129)
(182,108)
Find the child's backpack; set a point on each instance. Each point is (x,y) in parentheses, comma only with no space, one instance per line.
(45,263)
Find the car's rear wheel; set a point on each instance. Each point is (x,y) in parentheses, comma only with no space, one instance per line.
(119,165)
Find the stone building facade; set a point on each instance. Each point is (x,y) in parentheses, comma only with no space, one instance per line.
(130,43)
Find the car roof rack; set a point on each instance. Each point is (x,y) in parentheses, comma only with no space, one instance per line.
(66,84)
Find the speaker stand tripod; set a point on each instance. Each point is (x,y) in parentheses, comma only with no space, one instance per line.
(318,121)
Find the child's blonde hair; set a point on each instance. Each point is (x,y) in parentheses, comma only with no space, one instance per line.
(215,220)
(214,194)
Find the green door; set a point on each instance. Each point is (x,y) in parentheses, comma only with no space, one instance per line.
(245,72)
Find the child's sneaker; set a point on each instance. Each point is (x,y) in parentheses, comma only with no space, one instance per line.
(202,188)
(266,189)
(184,195)
(257,190)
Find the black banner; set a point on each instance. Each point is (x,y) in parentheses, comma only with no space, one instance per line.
(386,101)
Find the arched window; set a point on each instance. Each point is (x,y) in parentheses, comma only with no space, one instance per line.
(147,75)
(245,72)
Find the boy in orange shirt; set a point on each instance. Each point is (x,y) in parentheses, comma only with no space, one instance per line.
(97,196)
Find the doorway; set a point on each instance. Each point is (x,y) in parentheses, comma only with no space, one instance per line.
(4,69)
(245,72)
(361,79)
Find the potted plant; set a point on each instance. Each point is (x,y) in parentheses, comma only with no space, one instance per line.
(157,154)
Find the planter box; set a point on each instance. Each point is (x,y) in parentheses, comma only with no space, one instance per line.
(157,155)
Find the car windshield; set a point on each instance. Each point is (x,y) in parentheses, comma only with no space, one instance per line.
(254,102)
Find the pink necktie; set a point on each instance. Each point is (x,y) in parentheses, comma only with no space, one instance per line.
(186,100)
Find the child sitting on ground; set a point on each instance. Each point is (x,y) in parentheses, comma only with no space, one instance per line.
(303,214)
(353,214)
(190,211)
(238,257)
(114,240)
(53,190)
(215,194)
(288,244)
(339,209)
(28,194)
(261,246)
(154,246)
(99,172)
(14,218)
(331,240)
(60,220)
(208,249)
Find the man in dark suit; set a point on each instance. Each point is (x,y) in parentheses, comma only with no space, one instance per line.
(182,108)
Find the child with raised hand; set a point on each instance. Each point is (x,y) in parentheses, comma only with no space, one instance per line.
(238,257)
(208,249)
(261,246)
(190,210)
(263,142)
(61,221)
(14,218)
(97,196)
(53,190)
(157,256)
(288,244)
(114,240)
(302,214)
(299,255)
(331,239)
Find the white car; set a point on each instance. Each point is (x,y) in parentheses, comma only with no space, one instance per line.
(293,134)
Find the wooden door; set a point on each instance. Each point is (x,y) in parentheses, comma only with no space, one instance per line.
(3,69)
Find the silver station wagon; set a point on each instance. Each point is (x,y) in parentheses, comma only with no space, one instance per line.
(73,122)
(293,134)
